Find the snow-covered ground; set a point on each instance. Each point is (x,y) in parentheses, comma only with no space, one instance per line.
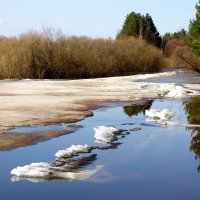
(36,102)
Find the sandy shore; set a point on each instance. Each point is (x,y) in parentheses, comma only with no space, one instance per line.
(33,102)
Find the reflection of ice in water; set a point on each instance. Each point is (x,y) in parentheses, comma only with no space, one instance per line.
(162,117)
(159,115)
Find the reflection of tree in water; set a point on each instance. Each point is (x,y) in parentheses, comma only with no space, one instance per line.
(195,147)
(192,110)
(137,109)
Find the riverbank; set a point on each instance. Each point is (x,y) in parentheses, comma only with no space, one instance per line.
(36,102)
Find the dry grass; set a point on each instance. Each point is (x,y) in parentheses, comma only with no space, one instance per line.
(46,55)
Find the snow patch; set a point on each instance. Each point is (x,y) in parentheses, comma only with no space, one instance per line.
(106,134)
(39,172)
(74,150)
(171,90)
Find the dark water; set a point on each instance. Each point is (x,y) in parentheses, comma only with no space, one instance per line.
(150,163)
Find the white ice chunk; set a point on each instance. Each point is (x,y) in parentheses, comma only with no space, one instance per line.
(171,90)
(105,133)
(73,150)
(39,172)
(32,170)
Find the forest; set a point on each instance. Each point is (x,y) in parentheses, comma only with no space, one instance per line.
(138,48)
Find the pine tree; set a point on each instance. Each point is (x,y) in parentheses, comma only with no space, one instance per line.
(131,25)
(138,25)
(151,34)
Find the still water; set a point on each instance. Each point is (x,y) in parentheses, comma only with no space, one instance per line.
(152,162)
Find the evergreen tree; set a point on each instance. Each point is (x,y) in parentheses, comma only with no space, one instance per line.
(151,35)
(131,25)
(181,35)
(194,32)
(138,25)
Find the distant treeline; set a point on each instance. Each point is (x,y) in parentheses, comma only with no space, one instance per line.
(54,56)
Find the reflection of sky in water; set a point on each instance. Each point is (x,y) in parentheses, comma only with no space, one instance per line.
(30,129)
(153,163)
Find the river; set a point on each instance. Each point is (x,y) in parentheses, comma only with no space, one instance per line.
(149,160)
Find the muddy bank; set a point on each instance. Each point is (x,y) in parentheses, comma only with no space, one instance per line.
(33,102)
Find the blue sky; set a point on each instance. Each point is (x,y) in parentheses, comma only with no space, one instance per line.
(93,18)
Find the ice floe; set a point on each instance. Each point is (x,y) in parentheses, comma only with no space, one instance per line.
(108,134)
(74,150)
(60,169)
(35,175)
(171,90)
(41,169)
(105,134)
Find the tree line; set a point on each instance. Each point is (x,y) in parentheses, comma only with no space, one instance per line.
(182,46)
(138,48)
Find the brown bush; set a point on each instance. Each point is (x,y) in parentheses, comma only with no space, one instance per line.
(44,55)
(179,55)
